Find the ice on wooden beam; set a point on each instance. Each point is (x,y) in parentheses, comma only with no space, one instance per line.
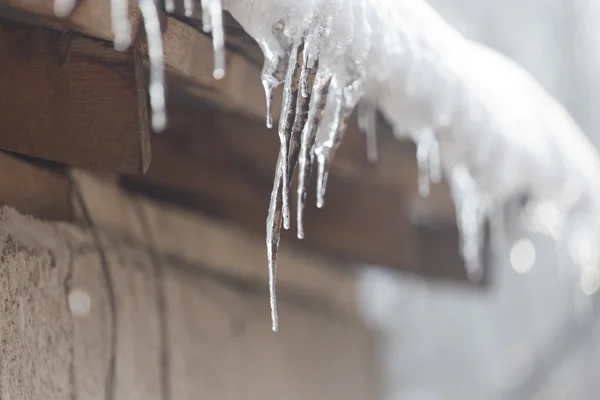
(472,113)
(475,115)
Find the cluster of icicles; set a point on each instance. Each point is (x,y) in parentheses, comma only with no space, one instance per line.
(476,117)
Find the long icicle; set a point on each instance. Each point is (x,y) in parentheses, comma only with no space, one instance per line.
(157,68)
(286,122)
(277,202)
(121,27)
(300,121)
(272,237)
(318,100)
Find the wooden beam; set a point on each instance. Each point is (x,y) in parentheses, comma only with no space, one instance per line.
(187,52)
(72,99)
(191,176)
(52,192)
(223,165)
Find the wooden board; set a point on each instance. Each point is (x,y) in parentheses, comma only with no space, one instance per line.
(71,99)
(223,165)
(211,174)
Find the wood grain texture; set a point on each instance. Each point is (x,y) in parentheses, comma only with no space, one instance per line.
(71,99)
(222,164)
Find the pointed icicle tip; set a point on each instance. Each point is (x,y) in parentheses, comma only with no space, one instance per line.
(269,88)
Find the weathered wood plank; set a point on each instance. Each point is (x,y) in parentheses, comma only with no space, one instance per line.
(223,165)
(48,191)
(73,100)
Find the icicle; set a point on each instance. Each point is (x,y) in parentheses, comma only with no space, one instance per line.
(286,122)
(428,160)
(218,36)
(324,151)
(470,211)
(188,7)
(272,75)
(273,235)
(206,21)
(423,164)
(212,21)
(121,27)
(367,123)
(170,6)
(318,99)
(309,65)
(157,69)
(63,8)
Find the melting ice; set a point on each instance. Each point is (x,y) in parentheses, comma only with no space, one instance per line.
(475,116)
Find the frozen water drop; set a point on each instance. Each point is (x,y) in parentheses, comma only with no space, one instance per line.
(157,68)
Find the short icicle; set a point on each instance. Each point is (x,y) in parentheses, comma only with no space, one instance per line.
(428,160)
(157,68)
(218,37)
(170,6)
(121,26)
(272,75)
(318,100)
(471,214)
(367,123)
(286,122)
(206,21)
(188,7)
(325,150)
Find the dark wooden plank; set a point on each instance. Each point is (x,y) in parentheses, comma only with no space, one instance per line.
(73,100)
(222,164)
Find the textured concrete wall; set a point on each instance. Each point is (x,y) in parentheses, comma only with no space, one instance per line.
(95,312)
